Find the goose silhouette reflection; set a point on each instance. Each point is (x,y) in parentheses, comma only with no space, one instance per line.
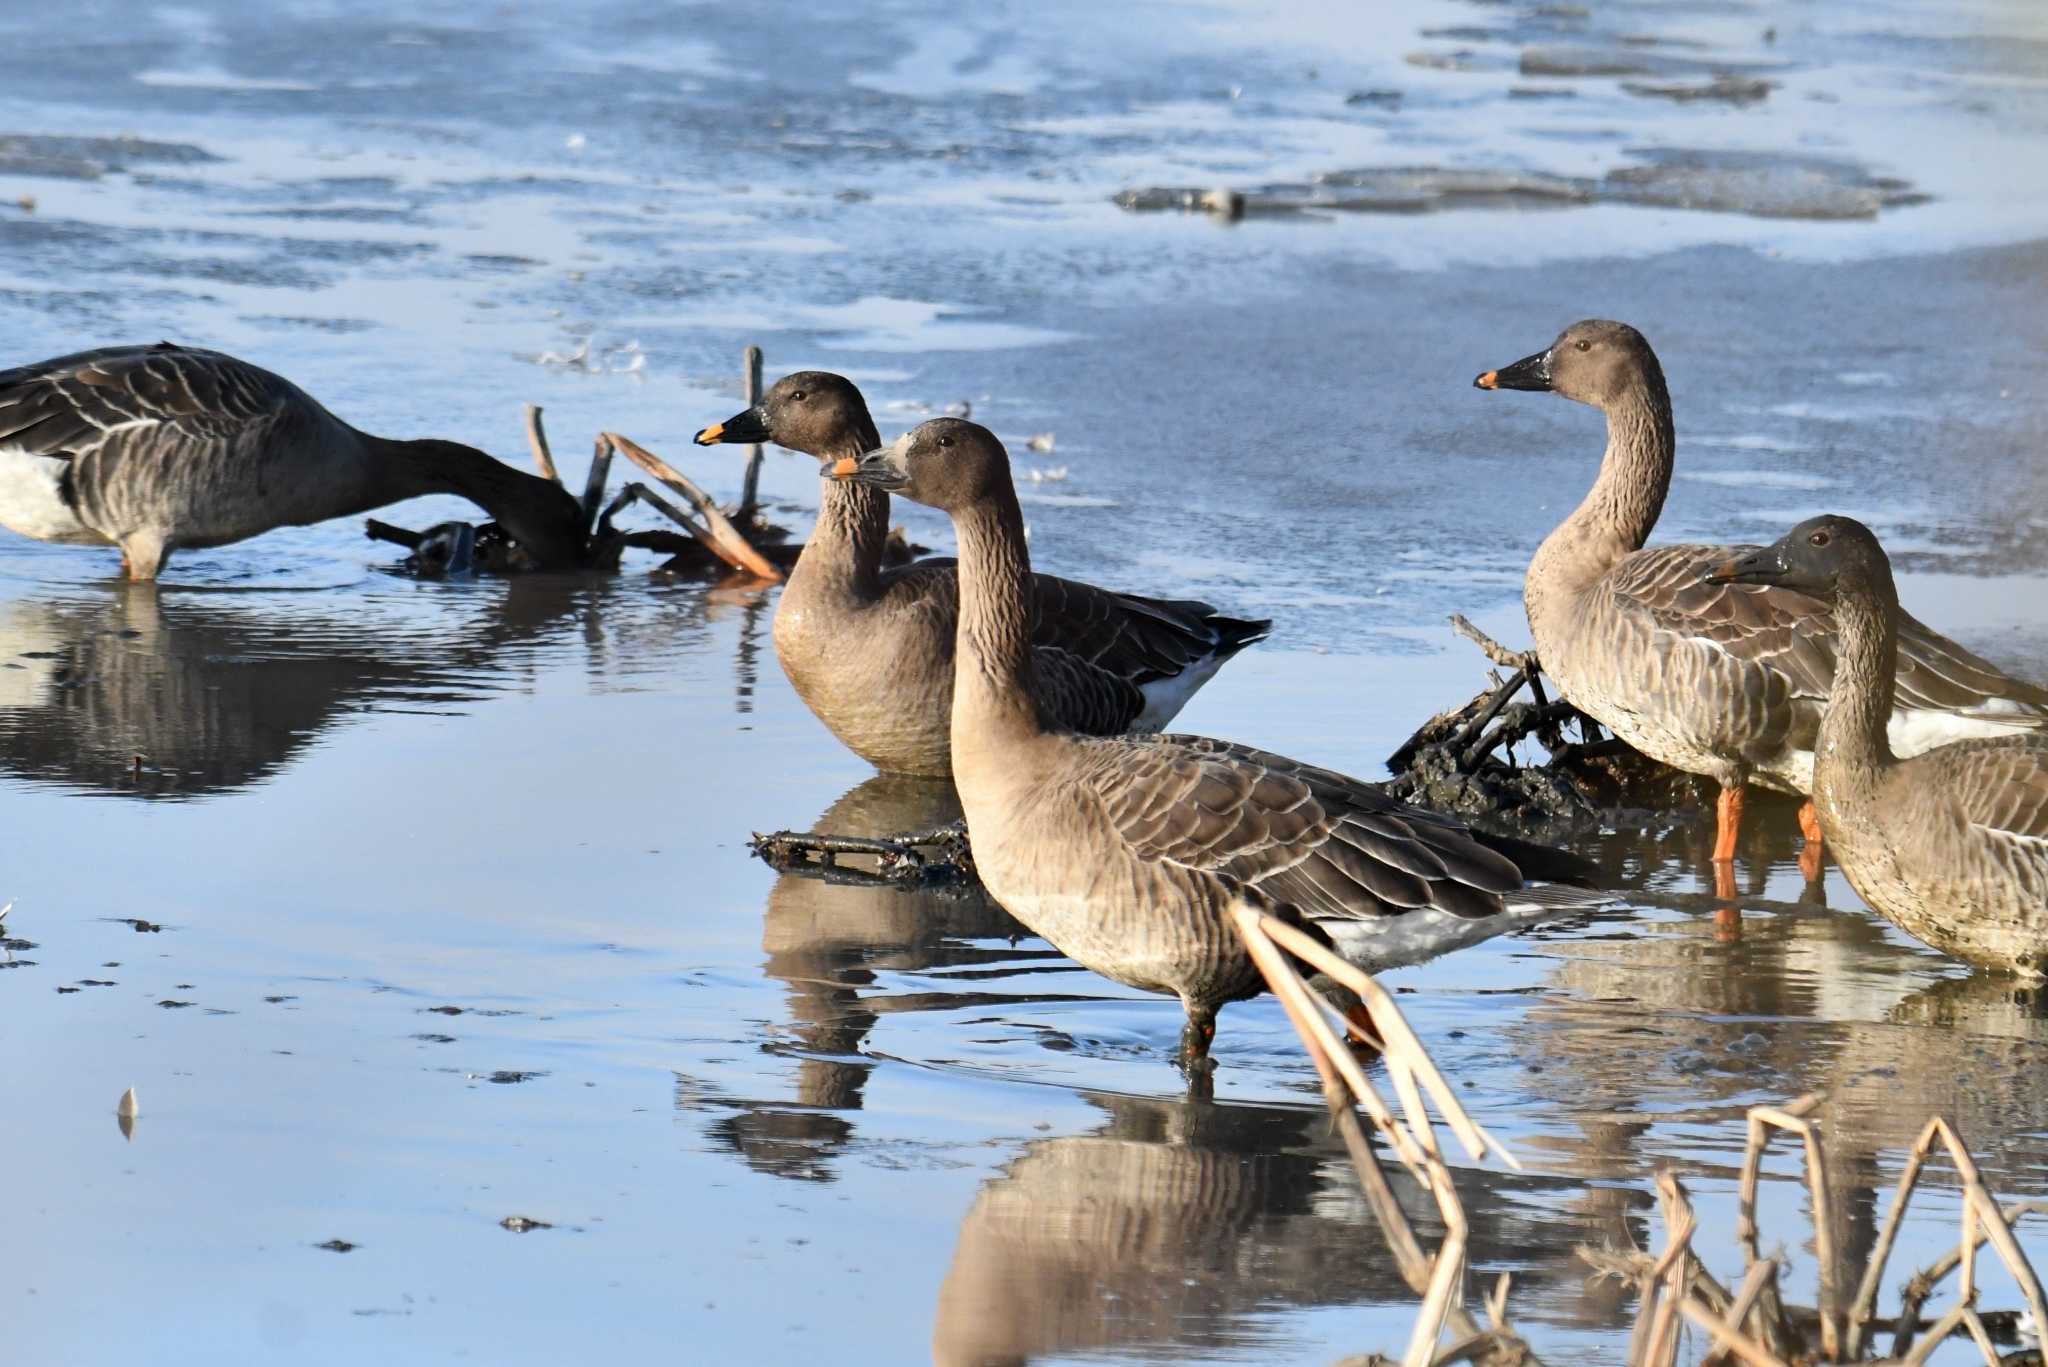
(177,694)
(828,940)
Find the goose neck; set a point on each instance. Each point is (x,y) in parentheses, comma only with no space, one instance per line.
(1620,511)
(994,682)
(1854,730)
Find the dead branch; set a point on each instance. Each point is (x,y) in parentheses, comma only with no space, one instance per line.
(750,367)
(537,438)
(726,539)
(594,482)
(397,536)
(1507,659)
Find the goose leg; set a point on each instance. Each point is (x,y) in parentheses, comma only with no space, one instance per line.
(1727,825)
(1195,1038)
(1810,854)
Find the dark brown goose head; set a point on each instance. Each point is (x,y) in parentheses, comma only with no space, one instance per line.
(812,411)
(1593,362)
(1822,556)
(947,463)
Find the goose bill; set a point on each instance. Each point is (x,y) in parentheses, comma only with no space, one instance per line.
(748,426)
(877,468)
(1531,372)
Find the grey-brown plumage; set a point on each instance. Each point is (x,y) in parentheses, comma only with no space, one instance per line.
(1950,845)
(1722,680)
(1128,853)
(870,650)
(159,448)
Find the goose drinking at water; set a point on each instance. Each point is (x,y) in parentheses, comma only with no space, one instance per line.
(161,448)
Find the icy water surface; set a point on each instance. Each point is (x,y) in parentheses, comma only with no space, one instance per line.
(420,916)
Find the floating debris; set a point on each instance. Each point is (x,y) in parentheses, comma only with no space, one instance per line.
(1385,99)
(520,1224)
(338,1246)
(1041,443)
(1051,475)
(75,158)
(4,910)
(1760,184)
(125,1112)
(1725,89)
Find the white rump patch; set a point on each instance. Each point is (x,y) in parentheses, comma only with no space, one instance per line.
(30,501)
(1919,729)
(1164,698)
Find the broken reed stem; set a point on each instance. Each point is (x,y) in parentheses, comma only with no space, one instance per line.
(1314,1029)
(750,369)
(1922,1283)
(537,438)
(1751,1352)
(723,537)
(1407,1060)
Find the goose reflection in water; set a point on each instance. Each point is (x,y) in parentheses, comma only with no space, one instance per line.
(153,693)
(1177,1228)
(829,939)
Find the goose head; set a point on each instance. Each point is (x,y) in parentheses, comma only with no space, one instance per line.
(948,463)
(1821,556)
(1595,362)
(812,411)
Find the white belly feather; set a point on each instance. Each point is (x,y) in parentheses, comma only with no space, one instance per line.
(32,502)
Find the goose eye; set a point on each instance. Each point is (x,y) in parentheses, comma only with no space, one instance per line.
(1583,345)
(945,441)
(797,397)
(1817,539)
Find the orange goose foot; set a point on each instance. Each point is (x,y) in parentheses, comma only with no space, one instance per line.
(1815,849)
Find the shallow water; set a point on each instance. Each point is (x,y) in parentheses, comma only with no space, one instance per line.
(410,908)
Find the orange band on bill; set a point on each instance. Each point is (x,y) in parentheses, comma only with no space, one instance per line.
(711,435)
(1490,380)
(844,467)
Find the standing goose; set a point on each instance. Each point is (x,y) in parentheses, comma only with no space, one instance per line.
(1709,678)
(157,448)
(1112,662)
(1129,853)
(1950,845)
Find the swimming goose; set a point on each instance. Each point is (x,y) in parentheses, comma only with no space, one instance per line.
(1950,845)
(871,651)
(1709,678)
(1128,853)
(156,448)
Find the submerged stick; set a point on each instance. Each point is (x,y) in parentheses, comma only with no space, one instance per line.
(537,438)
(750,368)
(726,538)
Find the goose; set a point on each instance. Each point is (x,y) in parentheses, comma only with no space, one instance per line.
(1129,853)
(1951,844)
(1715,679)
(870,651)
(158,448)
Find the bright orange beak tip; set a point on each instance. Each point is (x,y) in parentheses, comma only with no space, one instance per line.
(844,467)
(1490,380)
(711,435)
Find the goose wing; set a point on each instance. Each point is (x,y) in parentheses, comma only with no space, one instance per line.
(70,406)
(1136,638)
(1794,637)
(1329,845)
(2000,788)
